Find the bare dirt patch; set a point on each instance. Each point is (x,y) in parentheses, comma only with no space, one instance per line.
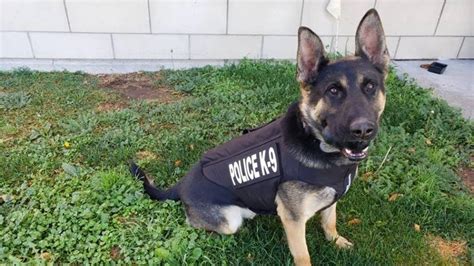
(115,253)
(146,155)
(139,86)
(467,175)
(450,250)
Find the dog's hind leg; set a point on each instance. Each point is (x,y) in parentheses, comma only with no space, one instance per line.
(221,219)
(328,223)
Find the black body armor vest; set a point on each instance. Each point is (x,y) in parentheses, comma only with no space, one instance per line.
(253,165)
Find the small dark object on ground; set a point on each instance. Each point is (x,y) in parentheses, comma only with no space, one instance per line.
(435,67)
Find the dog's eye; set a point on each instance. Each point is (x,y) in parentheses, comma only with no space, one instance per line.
(369,87)
(333,90)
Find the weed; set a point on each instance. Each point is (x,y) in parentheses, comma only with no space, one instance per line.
(13,100)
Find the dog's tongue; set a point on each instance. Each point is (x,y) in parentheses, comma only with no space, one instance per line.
(353,155)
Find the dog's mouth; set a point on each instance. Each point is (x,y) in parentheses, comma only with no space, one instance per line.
(354,150)
(354,155)
(358,152)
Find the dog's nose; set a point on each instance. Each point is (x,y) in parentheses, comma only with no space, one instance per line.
(362,128)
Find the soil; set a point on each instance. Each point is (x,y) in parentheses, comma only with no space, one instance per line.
(138,86)
(467,175)
(115,253)
(449,250)
(146,155)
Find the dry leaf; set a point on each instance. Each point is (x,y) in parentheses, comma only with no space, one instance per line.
(354,221)
(191,146)
(394,196)
(177,163)
(417,227)
(45,256)
(367,176)
(428,142)
(411,150)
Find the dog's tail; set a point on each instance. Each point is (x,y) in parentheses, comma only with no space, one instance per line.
(150,189)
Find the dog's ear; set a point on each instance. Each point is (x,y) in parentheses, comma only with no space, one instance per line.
(370,41)
(310,56)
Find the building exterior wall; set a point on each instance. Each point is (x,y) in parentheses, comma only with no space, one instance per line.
(181,31)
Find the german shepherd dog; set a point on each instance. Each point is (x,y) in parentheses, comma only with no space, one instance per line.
(328,129)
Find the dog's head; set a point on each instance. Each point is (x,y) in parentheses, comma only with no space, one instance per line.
(342,100)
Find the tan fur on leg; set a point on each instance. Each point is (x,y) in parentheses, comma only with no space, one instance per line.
(296,235)
(328,223)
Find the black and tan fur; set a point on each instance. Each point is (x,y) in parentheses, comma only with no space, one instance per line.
(341,103)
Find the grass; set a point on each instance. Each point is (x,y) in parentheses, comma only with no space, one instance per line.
(68,197)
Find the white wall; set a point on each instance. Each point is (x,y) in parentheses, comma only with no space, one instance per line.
(177,31)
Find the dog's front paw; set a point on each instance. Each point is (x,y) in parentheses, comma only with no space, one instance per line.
(342,242)
(303,261)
